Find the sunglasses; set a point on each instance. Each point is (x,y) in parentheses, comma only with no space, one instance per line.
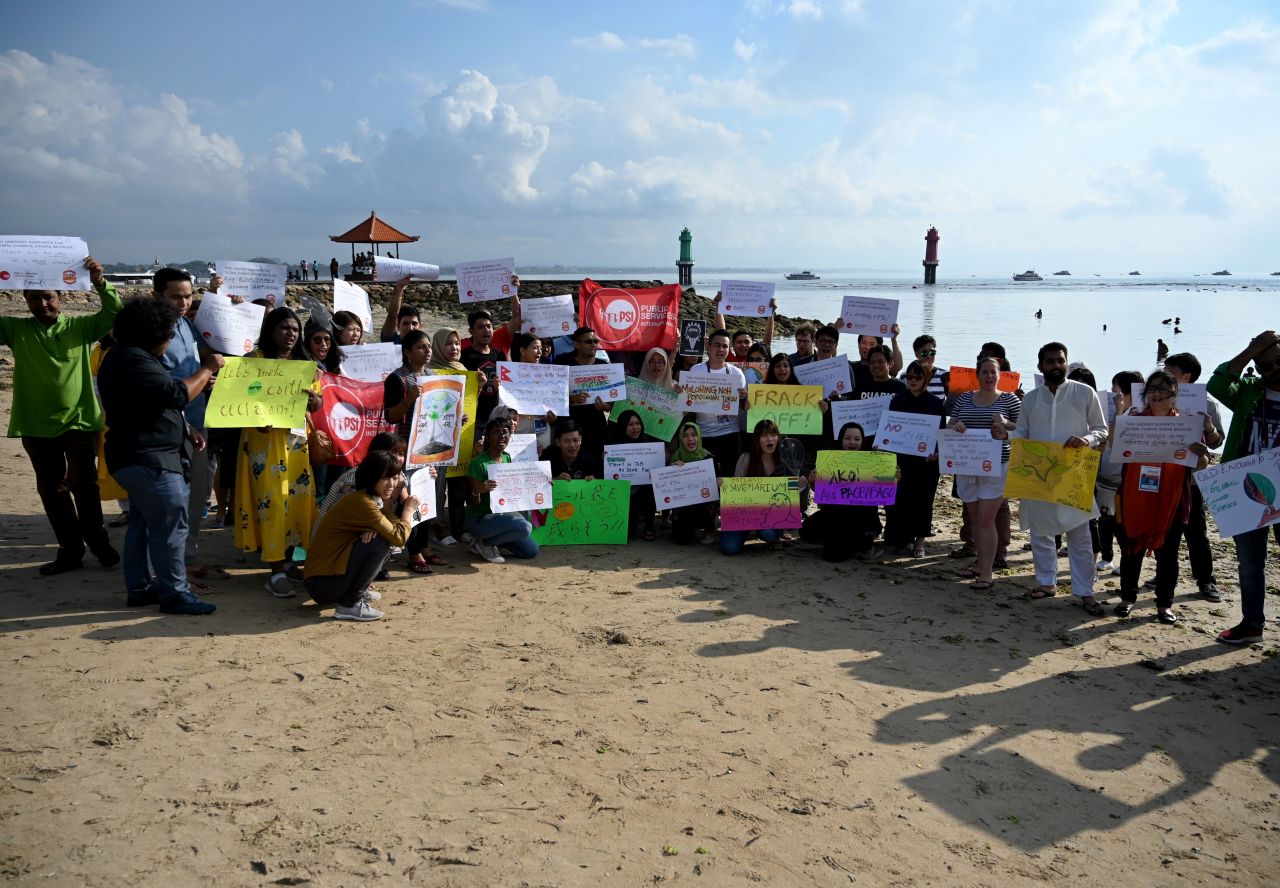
(931,353)
(588,341)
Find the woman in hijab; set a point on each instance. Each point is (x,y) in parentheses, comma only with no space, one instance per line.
(656,369)
(446,360)
(691,522)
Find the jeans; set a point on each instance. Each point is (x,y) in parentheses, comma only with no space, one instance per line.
(1251,552)
(196,500)
(509,530)
(363,565)
(1044,554)
(157,533)
(66,470)
(732,541)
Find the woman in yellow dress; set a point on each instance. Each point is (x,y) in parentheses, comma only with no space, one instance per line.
(275,498)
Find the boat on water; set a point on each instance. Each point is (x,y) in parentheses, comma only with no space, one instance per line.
(1063,273)
(803,276)
(1223,273)
(1028,275)
(1134,273)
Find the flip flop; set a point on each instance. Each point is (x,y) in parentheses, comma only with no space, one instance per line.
(1093,607)
(202,571)
(1040,593)
(419,567)
(970,573)
(982,585)
(433,558)
(963,552)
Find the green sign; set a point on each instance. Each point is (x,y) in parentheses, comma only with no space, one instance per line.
(586,513)
(659,408)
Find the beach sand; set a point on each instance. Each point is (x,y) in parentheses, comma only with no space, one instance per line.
(626,715)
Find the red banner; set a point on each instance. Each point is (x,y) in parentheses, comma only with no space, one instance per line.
(352,415)
(630,320)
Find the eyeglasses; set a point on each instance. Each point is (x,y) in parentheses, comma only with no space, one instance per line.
(929,353)
(587,341)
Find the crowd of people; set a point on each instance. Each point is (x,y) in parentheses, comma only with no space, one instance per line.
(334,533)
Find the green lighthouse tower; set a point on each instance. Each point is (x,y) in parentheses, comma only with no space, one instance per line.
(684,265)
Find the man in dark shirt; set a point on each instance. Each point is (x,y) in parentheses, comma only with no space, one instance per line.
(482,357)
(878,383)
(591,417)
(146,438)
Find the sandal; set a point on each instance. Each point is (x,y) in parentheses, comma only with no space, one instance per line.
(970,573)
(433,558)
(1041,592)
(965,551)
(201,571)
(1091,606)
(917,552)
(419,566)
(982,585)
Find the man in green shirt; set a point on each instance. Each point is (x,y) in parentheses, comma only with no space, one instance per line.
(57,415)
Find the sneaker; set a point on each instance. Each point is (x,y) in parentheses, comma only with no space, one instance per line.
(371,595)
(294,573)
(467,538)
(448,542)
(488,553)
(1123,609)
(1168,617)
(146,597)
(360,612)
(187,603)
(1241,634)
(1104,566)
(280,587)
(1210,592)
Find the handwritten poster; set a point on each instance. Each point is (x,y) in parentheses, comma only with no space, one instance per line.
(470,406)
(423,486)
(753,372)
(534,389)
(522,486)
(485,280)
(387,269)
(436,426)
(830,374)
(792,408)
(912,434)
(748,299)
(349,297)
(866,413)
(660,409)
(760,504)
(604,381)
(868,316)
(254,392)
(547,316)
(693,338)
(633,462)
(1053,473)
(707,393)
(371,363)
(855,478)
(226,327)
(586,513)
(1242,494)
(971,452)
(1151,439)
(686,485)
(252,280)
(37,262)
(965,379)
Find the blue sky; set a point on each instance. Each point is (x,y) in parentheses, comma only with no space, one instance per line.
(1099,136)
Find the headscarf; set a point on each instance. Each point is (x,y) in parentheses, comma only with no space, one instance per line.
(687,456)
(438,341)
(620,429)
(663,379)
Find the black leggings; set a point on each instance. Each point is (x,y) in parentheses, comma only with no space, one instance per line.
(1166,566)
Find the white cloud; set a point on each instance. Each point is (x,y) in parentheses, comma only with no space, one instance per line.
(744,51)
(811,9)
(290,159)
(540,101)
(607,41)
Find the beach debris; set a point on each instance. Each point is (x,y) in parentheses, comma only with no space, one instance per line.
(670,850)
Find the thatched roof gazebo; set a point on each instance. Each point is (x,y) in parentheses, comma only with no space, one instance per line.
(374,232)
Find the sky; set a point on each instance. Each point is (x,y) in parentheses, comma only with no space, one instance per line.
(1095,135)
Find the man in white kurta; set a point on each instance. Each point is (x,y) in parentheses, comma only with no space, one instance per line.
(1065,412)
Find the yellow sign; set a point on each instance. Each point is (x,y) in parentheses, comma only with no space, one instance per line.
(255,392)
(1042,470)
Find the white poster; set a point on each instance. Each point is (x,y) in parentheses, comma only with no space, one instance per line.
(608,382)
(971,452)
(423,486)
(371,363)
(522,486)
(523,448)
(37,262)
(534,389)
(864,315)
(913,434)
(1157,439)
(633,462)
(704,392)
(227,327)
(832,374)
(547,316)
(1242,494)
(1193,397)
(386,269)
(686,485)
(865,413)
(485,280)
(747,299)
(349,297)
(252,280)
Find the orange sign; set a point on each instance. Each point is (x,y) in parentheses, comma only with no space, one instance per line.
(965,379)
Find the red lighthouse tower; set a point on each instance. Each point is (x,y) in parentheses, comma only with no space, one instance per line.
(931,256)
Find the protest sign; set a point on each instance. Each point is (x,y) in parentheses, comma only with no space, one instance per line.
(705,393)
(866,413)
(830,374)
(686,485)
(913,434)
(633,462)
(547,316)
(316,311)
(965,379)
(470,406)
(485,280)
(1241,494)
(792,408)
(753,372)
(586,513)
(523,448)
(351,416)
(760,504)
(659,408)
(747,299)
(693,337)
(534,389)
(38,262)
(226,327)
(868,316)
(255,392)
(252,280)
(371,363)
(349,297)
(855,478)
(971,452)
(607,382)
(522,486)
(1150,439)
(436,426)
(387,269)
(423,486)
(1193,397)
(1048,471)
(630,320)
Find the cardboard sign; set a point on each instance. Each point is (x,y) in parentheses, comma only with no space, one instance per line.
(534,389)
(693,338)
(830,374)
(255,392)
(660,409)
(485,280)
(760,504)
(227,327)
(965,379)
(911,434)
(747,299)
(709,393)
(971,452)
(1152,439)
(371,363)
(604,381)
(633,462)
(586,513)
(855,478)
(252,280)
(522,486)
(436,427)
(38,262)
(867,316)
(866,413)
(1242,494)
(548,316)
(423,486)
(792,408)
(1053,473)
(686,485)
